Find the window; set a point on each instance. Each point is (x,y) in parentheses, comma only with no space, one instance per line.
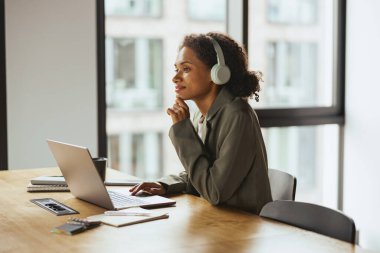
(311,154)
(295,46)
(295,56)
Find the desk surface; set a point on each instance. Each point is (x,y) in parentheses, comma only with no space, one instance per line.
(193,226)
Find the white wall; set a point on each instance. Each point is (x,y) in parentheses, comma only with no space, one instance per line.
(362,132)
(51,77)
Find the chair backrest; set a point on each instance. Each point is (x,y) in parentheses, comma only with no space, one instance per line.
(283,185)
(312,217)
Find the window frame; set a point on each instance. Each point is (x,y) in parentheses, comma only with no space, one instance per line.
(3,92)
(101,77)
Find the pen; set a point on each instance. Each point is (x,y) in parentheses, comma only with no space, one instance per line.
(127,213)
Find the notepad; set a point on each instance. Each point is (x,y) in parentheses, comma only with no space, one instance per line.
(129,212)
(125,220)
(46,188)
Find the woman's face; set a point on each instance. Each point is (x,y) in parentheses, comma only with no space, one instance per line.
(192,79)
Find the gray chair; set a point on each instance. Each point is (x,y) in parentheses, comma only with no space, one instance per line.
(312,217)
(283,185)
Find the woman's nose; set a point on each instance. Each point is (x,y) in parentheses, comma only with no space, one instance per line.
(176,77)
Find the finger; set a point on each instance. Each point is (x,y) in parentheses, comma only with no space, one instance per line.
(183,108)
(170,111)
(177,107)
(133,187)
(173,115)
(138,188)
(146,186)
(182,103)
(181,112)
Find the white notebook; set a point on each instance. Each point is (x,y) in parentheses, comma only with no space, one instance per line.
(48,180)
(124,220)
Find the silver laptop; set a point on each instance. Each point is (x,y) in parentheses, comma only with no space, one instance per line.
(85,183)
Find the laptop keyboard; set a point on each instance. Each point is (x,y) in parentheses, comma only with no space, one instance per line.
(121,200)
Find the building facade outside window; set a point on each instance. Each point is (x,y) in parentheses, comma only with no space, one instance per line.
(290,79)
(292,44)
(134,73)
(142,39)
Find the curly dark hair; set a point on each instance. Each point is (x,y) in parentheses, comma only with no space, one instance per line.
(243,82)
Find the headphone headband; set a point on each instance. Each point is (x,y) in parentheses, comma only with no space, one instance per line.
(218,51)
(220,73)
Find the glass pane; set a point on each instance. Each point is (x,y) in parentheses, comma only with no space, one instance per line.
(133,147)
(311,154)
(134,68)
(292,11)
(292,45)
(140,56)
(149,8)
(206,10)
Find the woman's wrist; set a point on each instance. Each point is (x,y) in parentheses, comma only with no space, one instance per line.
(164,187)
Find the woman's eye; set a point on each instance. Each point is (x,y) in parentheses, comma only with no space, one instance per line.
(186,69)
(176,70)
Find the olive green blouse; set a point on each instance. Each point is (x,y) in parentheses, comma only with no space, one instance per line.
(228,165)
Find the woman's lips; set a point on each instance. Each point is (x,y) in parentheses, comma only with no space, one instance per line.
(179,88)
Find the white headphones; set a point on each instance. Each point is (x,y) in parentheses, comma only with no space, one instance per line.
(220,72)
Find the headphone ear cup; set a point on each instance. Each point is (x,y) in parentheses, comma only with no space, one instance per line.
(220,74)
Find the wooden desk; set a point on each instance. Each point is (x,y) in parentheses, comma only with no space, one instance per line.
(193,226)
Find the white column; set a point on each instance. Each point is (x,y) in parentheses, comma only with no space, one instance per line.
(142,64)
(125,153)
(152,150)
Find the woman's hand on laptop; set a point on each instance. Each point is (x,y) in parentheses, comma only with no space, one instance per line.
(153,188)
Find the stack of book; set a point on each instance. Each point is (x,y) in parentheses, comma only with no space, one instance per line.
(47,184)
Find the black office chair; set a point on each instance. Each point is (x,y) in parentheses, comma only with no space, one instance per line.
(312,217)
(283,185)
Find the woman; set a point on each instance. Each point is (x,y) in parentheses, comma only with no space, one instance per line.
(222,150)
